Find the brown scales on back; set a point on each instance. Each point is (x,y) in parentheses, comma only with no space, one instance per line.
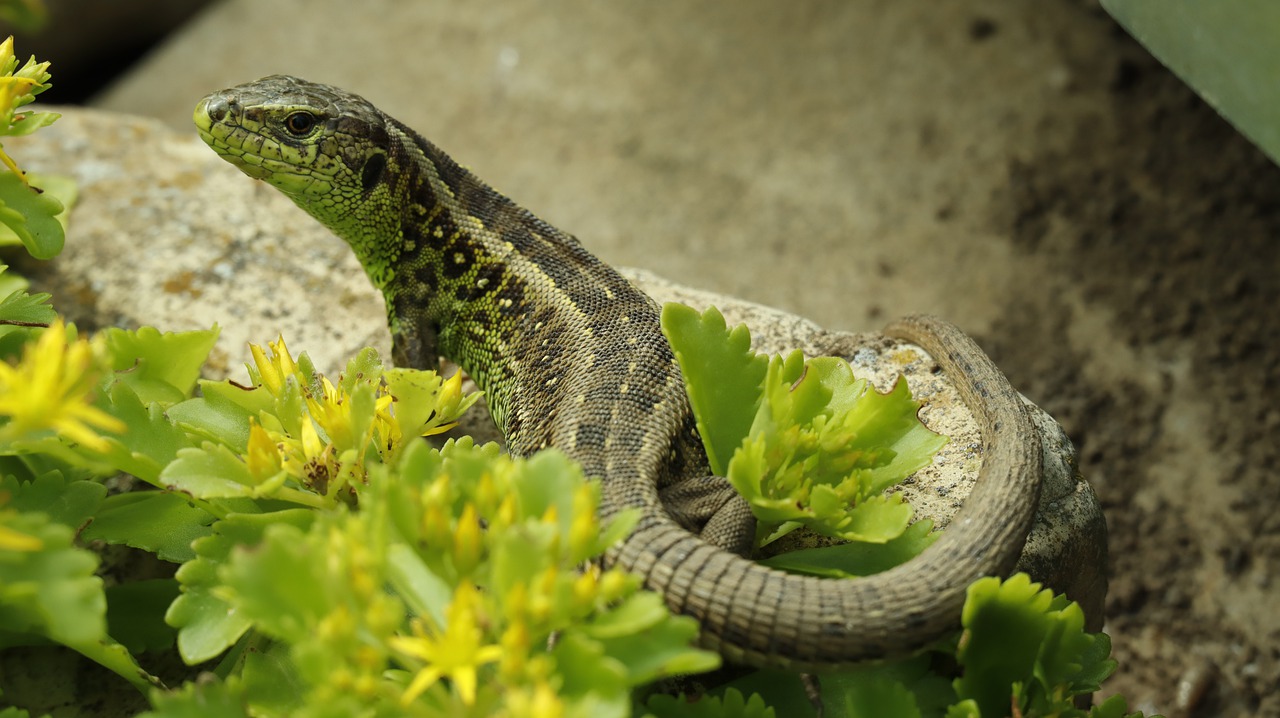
(571,355)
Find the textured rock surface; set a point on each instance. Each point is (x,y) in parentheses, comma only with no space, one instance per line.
(175,238)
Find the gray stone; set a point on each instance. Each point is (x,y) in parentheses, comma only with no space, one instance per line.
(175,238)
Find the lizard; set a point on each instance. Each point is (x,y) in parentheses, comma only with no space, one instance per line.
(571,355)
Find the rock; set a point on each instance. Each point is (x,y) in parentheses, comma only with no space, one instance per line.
(167,234)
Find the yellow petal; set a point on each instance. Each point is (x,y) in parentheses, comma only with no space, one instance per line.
(421,682)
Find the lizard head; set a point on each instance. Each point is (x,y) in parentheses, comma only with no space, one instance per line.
(325,148)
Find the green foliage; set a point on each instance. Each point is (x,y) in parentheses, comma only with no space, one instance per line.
(18,307)
(733,704)
(820,448)
(47,584)
(1025,643)
(335,561)
(29,213)
(857,558)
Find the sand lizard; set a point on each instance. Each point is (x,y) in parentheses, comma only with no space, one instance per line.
(571,355)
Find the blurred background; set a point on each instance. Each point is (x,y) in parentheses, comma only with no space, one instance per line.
(1026,170)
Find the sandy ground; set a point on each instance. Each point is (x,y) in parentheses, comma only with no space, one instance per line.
(1023,169)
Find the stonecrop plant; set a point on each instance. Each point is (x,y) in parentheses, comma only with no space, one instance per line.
(318,549)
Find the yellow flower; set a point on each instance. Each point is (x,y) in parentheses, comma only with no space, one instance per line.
(51,389)
(468,541)
(263,454)
(274,370)
(17,89)
(456,652)
(332,411)
(448,404)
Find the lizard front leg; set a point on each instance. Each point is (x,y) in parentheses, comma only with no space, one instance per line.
(414,345)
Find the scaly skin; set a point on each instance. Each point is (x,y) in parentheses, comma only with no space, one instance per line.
(570,355)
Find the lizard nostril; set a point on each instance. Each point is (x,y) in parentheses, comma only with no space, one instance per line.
(217,107)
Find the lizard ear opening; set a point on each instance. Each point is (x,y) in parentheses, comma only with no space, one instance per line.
(373,168)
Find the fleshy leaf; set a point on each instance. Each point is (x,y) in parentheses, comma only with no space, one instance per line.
(222,412)
(822,449)
(906,687)
(874,697)
(161,522)
(851,560)
(731,705)
(150,440)
(47,585)
(722,374)
(1022,644)
(16,306)
(278,584)
(69,503)
(31,216)
(210,472)
(203,699)
(207,625)
(158,366)
(650,642)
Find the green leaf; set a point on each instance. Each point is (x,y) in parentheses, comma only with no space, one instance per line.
(722,375)
(135,614)
(730,705)
(30,122)
(48,586)
(967,708)
(207,624)
(222,413)
(203,699)
(278,585)
(647,640)
(892,420)
(271,681)
(60,187)
(867,696)
(31,217)
(907,687)
(19,307)
(210,472)
(850,560)
(783,691)
(150,440)
(1224,50)
(159,367)
(425,593)
(69,503)
(1021,643)
(1005,624)
(161,522)
(587,671)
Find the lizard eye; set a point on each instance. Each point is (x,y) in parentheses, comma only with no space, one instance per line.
(300,123)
